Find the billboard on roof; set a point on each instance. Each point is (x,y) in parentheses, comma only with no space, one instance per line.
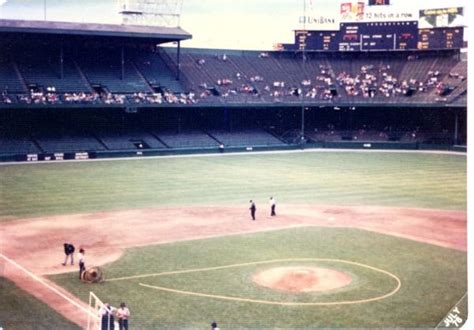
(357,11)
(441,17)
(319,18)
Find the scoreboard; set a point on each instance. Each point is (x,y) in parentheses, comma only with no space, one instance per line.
(440,38)
(328,40)
(378,36)
(389,36)
(320,40)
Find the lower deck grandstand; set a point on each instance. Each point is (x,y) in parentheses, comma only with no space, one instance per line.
(111,132)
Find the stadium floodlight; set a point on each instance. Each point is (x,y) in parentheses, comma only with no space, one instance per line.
(151,12)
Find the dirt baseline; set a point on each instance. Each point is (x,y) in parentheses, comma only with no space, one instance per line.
(37,244)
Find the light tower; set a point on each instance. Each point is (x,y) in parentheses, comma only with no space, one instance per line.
(151,12)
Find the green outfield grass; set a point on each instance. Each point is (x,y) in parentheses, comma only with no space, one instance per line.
(391,179)
(21,311)
(432,279)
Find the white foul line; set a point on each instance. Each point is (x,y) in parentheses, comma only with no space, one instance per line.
(40,280)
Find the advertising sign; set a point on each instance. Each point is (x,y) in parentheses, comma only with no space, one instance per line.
(442,17)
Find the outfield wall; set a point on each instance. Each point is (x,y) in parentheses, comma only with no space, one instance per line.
(191,151)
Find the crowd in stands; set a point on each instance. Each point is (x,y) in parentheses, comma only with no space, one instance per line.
(276,90)
(367,82)
(81,98)
(5,99)
(51,98)
(456,75)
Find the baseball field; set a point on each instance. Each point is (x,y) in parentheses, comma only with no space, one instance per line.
(361,239)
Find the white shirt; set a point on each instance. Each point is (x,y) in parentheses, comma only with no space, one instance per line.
(106,310)
(123,313)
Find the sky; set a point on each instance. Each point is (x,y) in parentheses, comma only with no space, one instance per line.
(233,24)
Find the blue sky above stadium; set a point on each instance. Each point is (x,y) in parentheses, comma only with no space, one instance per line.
(240,24)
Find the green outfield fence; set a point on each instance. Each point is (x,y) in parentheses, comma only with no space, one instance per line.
(243,149)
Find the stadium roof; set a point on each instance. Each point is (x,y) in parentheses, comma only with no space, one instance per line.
(155,33)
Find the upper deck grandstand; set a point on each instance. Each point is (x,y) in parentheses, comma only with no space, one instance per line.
(119,65)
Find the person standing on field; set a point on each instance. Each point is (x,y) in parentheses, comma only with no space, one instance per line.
(107,317)
(68,251)
(272,207)
(82,265)
(252,209)
(123,313)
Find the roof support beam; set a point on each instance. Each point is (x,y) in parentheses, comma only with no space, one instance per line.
(61,61)
(178,69)
(122,63)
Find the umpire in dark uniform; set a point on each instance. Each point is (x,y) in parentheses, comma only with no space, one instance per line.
(68,251)
(252,209)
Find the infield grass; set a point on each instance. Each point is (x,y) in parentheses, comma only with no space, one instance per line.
(386,179)
(432,279)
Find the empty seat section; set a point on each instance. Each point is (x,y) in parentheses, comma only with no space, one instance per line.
(104,69)
(187,139)
(246,138)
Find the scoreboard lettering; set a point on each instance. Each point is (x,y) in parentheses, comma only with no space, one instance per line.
(440,38)
(350,35)
(311,40)
(328,41)
(373,36)
(378,36)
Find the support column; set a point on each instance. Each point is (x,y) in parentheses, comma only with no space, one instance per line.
(61,61)
(456,127)
(122,63)
(178,69)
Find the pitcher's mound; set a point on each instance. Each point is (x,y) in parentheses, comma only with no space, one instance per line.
(302,279)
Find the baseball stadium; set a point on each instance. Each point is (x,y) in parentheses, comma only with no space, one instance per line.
(152,185)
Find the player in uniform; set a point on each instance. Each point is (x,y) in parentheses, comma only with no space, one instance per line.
(82,266)
(252,209)
(272,207)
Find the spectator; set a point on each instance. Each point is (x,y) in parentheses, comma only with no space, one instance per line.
(123,314)
(107,317)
